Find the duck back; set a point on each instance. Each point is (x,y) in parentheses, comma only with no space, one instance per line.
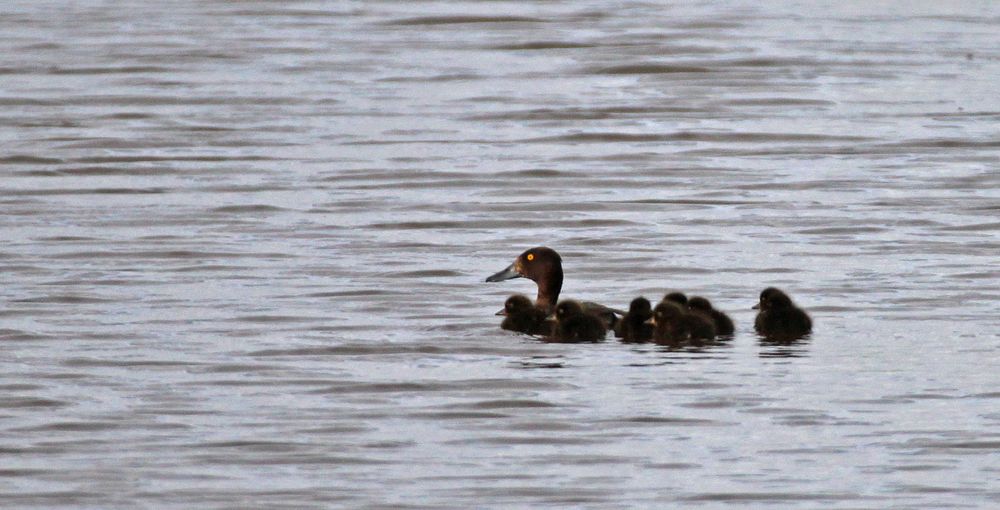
(786,324)
(723,324)
(699,326)
(574,324)
(581,328)
(532,322)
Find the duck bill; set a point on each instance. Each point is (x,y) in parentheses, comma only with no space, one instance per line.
(506,274)
(755,307)
(502,312)
(651,321)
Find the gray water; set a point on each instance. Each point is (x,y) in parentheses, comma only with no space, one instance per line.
(244,244)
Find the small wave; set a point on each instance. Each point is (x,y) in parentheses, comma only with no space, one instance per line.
(974,227)
(697,136)
(243,209)
(29,160)
(65,299)
(460,20)
(626,69)
(541,45)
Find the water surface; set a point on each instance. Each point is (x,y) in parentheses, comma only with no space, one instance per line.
(244,246)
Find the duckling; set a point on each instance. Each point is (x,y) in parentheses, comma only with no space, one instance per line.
(779,319)
(522,316)
(675,325)
(699,326)
(543,266)
(668,323)
(573,324)
(633,327)
(723,324)
(676,297)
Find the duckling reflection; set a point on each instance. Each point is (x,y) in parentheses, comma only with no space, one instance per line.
(779,319)
(795,348)
(723,324)
(633,328)
(524,317)
(543,266)
(573,324)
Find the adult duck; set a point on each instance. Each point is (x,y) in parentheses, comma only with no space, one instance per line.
(543,266)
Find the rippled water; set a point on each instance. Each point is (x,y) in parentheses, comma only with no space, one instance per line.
(244,244)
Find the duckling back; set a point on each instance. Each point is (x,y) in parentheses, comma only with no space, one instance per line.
(723,324)
(699,326)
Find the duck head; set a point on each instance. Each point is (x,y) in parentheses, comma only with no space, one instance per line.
(666,313)
(773,299)
(541,265)
(640,307)
(514,304)
(676,297)
(699,303)
(567,309)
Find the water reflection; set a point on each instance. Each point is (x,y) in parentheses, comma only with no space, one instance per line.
(542,362)
(699,351)
(794,348)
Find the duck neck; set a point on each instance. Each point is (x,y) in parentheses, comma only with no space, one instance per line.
(548,291)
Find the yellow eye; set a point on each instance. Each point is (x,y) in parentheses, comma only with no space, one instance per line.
(530,257)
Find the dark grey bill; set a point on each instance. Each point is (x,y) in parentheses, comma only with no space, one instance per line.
(506,274)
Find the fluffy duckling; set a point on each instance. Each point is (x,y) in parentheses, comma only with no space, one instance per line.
(676,297)
(723,324)
(675,325)
(668,323)
(633,328)
(573,324)
(524,317)
(699,326)
(779,319)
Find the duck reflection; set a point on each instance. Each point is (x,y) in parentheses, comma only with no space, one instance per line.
(797,348)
